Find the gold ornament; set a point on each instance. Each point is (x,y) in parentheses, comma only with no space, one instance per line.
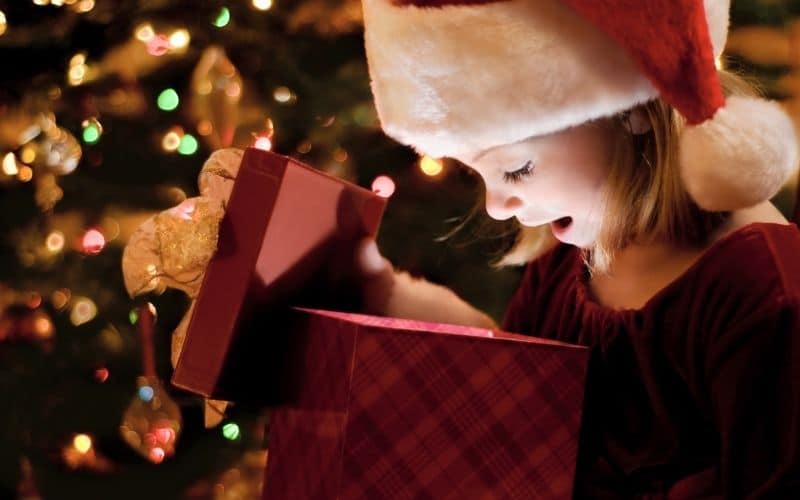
(216,91)
(56,150)
(48,193)
(152,423)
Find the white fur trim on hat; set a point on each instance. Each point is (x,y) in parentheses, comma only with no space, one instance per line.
(463,78)
(459,79)
(740,157)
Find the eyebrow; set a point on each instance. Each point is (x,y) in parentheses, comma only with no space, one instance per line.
(480,155)
(487,151)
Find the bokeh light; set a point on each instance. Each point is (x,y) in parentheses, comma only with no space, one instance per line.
(262,4)
(430,166)
(223,18)
(168,100)
(172,139)
(10,164)
(55,241)
(27,154)
(83,311)
(188,145)
(205,127)
(145,393)
(179,39)
(282,94)
(93,242)
(263,142)
(231,431)
(91,130)
(82,443)
(60,298)
(157,455)
(25,173)
(158,45)
(144,32)
(383,186)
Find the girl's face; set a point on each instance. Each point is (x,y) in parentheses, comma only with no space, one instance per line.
(557,178)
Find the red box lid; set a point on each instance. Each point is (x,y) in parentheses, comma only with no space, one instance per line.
(288,236)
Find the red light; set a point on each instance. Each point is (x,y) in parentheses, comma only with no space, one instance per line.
(93,241)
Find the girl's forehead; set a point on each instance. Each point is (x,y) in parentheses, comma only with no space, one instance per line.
(532,147)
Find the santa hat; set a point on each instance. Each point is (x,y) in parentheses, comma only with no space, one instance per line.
(458,76)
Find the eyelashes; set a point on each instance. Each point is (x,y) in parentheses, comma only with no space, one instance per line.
(520,173)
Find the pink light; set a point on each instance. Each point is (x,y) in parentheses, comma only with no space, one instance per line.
(158,45)
(93,241)
(383,186)
(157,455)
(165,435)
(263,143)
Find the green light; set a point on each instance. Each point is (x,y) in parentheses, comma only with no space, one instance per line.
(168,100)
(133,316)
(223,18)
(230,431)
(91,134)
(188,145)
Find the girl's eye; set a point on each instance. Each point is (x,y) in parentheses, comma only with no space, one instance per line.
(518,174)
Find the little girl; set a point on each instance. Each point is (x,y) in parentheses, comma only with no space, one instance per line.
(641,177)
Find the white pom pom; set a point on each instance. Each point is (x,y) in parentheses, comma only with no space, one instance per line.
(740,157)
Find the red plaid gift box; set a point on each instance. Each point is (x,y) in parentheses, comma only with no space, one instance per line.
(288,237)
(382,408)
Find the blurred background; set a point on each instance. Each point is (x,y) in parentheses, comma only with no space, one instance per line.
(108,109)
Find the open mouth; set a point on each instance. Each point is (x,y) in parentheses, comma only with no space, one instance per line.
(562,223)
(560,227)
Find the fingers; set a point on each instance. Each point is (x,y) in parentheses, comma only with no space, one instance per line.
(369,260)
(376,274)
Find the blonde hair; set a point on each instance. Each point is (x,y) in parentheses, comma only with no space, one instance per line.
(645,198)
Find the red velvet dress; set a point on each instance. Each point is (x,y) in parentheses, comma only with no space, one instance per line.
(696,394)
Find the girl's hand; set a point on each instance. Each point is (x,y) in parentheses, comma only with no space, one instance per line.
(387,292)
(376,276)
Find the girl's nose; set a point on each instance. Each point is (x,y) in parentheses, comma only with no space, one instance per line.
(501,207)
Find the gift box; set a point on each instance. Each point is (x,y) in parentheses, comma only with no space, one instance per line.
(288,236)
(383,408)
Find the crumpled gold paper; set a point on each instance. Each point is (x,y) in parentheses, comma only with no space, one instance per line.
(172,249)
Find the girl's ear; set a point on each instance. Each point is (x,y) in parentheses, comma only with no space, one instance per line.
(638,123)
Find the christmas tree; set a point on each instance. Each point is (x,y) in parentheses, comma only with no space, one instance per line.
(108,109)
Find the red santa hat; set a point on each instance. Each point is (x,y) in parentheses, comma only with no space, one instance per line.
(458,76)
